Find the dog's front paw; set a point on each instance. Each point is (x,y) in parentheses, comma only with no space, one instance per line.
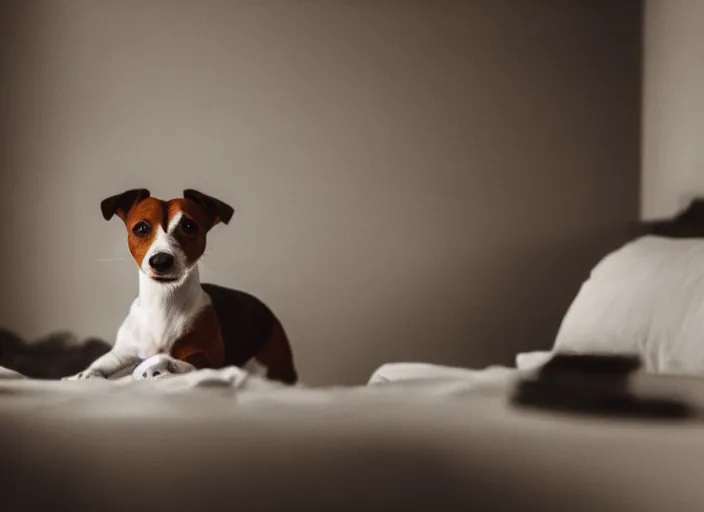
(86,374)
(154,368)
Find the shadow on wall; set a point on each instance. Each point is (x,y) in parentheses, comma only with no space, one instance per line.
(53,357)
(546,279)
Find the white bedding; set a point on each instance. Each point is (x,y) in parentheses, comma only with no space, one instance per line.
(421,436)
(645,298)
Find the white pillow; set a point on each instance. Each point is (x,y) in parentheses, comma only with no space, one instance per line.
(646,298)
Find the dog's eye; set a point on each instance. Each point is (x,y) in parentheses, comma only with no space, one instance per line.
(141,229)
(189,227)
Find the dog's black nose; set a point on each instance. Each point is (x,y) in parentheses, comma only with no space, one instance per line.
(161,261)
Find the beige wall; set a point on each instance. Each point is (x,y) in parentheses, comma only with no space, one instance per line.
(413,180)
(673,106)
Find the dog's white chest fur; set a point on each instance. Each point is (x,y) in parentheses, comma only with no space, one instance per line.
(154,331)
(161,315)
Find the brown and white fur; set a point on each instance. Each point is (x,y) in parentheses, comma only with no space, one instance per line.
(176,324)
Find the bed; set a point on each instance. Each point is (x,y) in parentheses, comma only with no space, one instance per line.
(420,436)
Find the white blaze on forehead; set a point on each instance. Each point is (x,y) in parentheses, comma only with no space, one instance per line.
(160,243)
(173,223)
(164,242)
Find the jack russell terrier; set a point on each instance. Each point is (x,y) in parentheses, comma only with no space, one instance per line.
(176,324)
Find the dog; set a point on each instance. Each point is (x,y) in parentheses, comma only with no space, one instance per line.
(176,324)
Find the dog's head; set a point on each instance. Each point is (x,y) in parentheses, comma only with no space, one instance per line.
(166,238)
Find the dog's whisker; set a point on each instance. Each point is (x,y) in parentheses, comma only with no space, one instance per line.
(111,258)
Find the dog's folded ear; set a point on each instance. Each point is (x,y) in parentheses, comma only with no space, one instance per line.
(215,209)
(121,204)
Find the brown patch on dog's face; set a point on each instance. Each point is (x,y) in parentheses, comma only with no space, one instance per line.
(142,222)
(191,230)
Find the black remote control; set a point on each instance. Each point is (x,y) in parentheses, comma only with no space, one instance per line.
(605,365)
(593,384)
